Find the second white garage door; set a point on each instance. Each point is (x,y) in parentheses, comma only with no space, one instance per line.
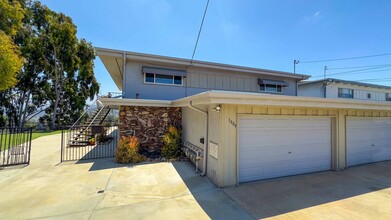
(368,140)
(278,146)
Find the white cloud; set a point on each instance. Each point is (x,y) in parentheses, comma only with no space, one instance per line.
(311,19)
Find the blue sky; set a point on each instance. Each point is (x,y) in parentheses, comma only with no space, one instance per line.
(267,34)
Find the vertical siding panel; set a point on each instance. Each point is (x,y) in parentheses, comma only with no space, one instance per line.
(219,82)
(194,80)
(264,110)
(211,81)
(284,111)
(332,112)
(257,110)
(247,84)
(241,109)
(202,80)
(249,109)
(351,113)
(271,111)
(234,83)
(368,114)
(226,82)
(240,83)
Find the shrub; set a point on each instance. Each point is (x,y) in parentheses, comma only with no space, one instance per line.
(127,151)
(171,143)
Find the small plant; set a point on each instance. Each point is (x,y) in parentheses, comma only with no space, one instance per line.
(92,141)
(171,143)
(127,151)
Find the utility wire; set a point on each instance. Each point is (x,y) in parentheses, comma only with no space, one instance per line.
(355,67)
(348,58)
(199,32)
(356,71)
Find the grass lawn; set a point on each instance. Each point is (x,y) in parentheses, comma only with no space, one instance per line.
(36,134)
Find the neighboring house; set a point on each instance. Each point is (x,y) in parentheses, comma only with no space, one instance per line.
(240,132)
(337,88)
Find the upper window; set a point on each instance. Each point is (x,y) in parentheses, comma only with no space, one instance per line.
(345,93)
(163,79)
(270,88)
(388,96)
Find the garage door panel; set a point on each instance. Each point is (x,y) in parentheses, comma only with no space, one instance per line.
(270,147)
(368,140)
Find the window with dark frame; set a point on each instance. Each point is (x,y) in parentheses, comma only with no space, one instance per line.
(345,93)
(163,79)
(388,96)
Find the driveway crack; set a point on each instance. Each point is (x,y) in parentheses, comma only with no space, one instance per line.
(101,198)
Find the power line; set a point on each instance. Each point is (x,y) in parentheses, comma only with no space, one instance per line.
(348,58)
(374,80)
(199,32)
(355,67)
(355,71)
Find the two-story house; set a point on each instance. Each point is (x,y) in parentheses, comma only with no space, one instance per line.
(242,124)
(337,88)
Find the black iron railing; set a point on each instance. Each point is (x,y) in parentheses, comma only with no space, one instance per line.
(88,142)
(15,146)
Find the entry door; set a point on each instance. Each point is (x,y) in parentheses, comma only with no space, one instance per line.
(368,140)
(279,146)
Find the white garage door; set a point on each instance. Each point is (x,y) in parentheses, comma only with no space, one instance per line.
(368,140)
(281,146)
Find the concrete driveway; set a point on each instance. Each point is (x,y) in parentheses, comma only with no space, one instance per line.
(102,189)
(362,192)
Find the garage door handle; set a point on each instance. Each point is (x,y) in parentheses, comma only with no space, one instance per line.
(289,152)
(373,145)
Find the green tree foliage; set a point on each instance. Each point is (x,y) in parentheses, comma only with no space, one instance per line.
(11,15)
(10,62)
(57,78)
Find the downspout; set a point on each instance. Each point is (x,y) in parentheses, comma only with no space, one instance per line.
(206,136)
(124,77)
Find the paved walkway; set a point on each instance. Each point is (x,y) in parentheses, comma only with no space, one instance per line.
(105,190)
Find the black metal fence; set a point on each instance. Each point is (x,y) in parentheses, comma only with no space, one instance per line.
(15,146)
(88,142)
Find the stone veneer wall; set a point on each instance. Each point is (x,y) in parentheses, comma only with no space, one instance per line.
(150,124)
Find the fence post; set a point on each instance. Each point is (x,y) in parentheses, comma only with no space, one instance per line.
(62,142)
(30,130)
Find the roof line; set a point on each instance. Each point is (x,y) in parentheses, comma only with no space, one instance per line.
(198,63)
(344,81)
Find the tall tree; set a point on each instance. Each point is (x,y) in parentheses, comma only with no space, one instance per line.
(57,77)
(11,15)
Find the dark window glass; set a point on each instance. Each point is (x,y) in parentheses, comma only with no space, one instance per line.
(178,80)
(164,79)
(262,87)
(279,88)
(345,93)
(369,95)
(149,77)
(388,97)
